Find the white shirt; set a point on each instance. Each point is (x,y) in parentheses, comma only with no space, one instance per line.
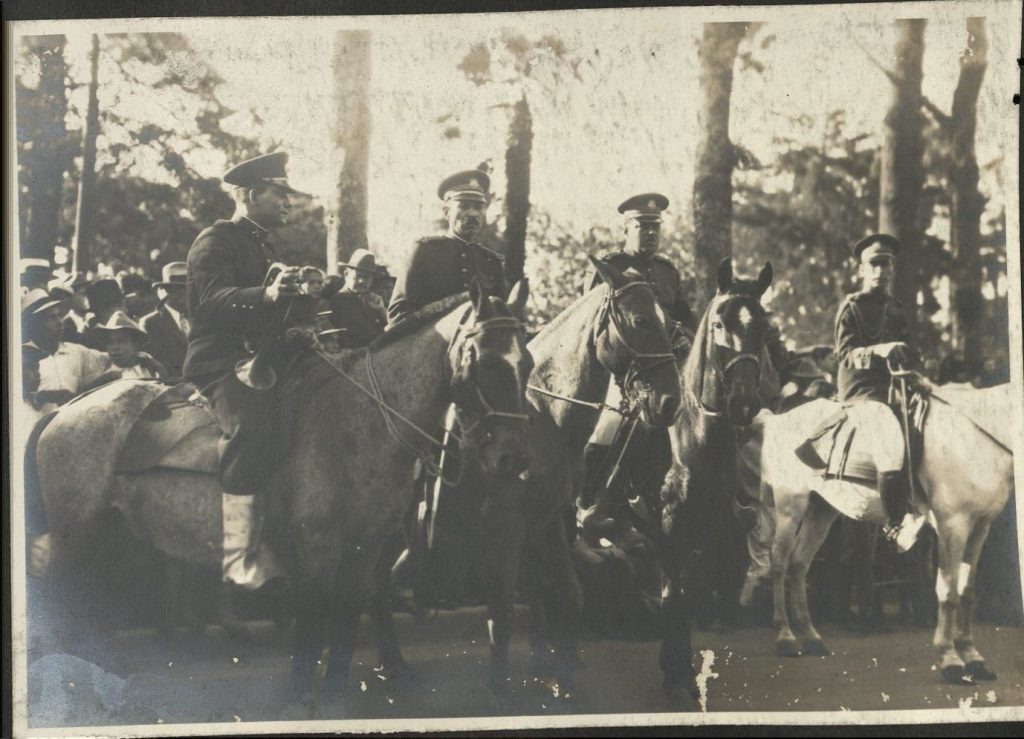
(72,367)
(137,372)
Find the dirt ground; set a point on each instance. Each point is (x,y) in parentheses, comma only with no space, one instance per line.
(213,677)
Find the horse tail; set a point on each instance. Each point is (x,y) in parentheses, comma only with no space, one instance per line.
(35,511)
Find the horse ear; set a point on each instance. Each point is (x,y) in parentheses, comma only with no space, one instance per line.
(518,297)
(764,279)
(724,275)
(609,274)
(481,303)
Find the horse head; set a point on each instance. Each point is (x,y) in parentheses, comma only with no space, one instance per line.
(490,367)
(631,342)
(724,368)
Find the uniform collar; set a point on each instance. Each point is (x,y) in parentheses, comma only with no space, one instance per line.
(254,228)
(476,245)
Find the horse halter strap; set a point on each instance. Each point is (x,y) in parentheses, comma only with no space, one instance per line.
(722,372)
(476,329)
(639,361)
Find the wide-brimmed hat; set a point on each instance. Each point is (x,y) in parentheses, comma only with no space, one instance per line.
(120,321)
(174,274)
(362,260)
(59,289)
(35,267)
(36,301)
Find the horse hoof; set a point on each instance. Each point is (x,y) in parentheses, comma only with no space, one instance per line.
(955,674)
(978,670)
(787,648)
(815,648)
(681,698)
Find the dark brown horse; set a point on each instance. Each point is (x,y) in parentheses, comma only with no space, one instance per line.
(698,531)
(346,483)
(615,330)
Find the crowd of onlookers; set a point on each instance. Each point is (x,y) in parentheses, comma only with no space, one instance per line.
(80,331)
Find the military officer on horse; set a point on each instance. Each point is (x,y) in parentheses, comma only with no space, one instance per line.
(229,303)
(872,337)
(643,218)
(439,266)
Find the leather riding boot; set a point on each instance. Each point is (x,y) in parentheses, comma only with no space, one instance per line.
(902,524)
(244,563)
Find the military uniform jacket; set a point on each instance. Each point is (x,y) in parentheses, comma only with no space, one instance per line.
(226,268)
(863,320)
(362,316)
(167,342)
(660,274)
(441,266)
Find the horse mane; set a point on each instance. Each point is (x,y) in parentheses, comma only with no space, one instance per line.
(416,320)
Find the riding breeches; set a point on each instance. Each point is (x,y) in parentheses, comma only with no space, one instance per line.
(878,434)
(250,449)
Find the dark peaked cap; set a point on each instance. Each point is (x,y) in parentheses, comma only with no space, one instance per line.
(646,206)
(470,184)
(261,171)
(884,241)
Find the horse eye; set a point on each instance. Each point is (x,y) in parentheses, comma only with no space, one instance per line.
(718,325)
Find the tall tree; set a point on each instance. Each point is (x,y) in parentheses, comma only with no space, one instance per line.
(85,210)
(901,178)
(530,70)
(712,185)
(517,192)
(44,147)
(353,129)
(967,201)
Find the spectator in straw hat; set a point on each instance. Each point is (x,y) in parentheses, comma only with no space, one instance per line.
(167,327)
(75,306)
(124,340)
(35,274)
(356,308)
(67,369)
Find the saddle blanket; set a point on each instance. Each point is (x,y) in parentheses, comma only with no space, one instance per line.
(853,442)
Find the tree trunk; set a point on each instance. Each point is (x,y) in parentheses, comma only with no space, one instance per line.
(48,154)
(712,185)
(85,210)
(902,168)
(347,220)
(967,202)
(517,194)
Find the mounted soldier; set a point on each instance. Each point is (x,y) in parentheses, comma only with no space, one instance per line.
(872,337)
(232,301)
(439,266)
(614,433)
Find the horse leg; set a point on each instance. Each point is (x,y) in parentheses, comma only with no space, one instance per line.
(351,594)
(310,624)
(676,656)
(563,604)
(382,614)
(964,638)
(952,542)
(815,527)
(503,527)
(787,524)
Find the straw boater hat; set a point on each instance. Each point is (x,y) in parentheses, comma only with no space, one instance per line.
(361,260)
(36,301)
(120,321)
(173,274)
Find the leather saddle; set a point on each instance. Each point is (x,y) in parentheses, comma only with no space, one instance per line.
(175,430)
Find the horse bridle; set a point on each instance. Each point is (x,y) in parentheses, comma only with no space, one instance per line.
(722,373)
(455,350)
(639,362)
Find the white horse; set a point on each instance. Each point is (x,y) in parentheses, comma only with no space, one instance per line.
(965,475)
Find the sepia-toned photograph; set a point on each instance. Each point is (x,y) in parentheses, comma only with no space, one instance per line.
(514,370)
